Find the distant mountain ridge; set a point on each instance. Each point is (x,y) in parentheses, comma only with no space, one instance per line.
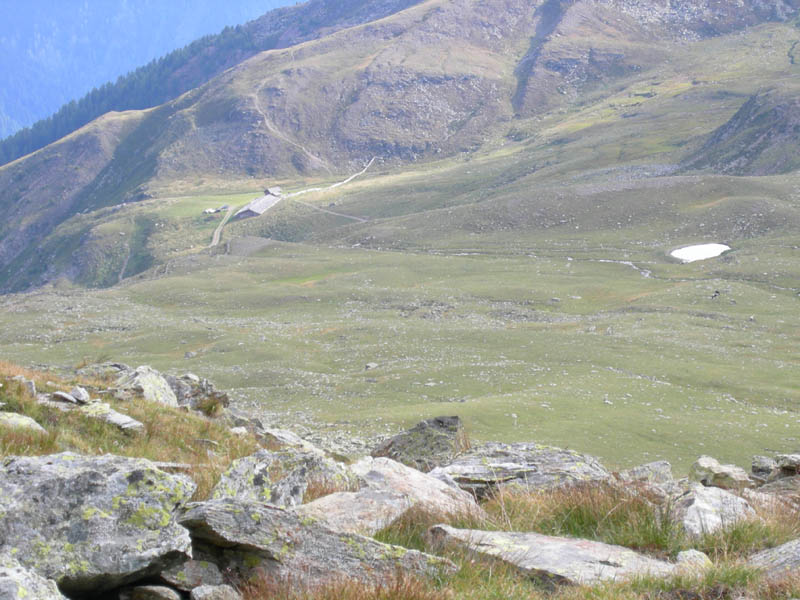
(408,82)
(168,77)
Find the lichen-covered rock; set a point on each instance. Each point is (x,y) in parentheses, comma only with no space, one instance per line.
(364,512)
(92,523)
(556,559)
(19,583)
(531,466)
(429,444)
(148,383)
(786,487)
(102,411)
(248,536)
(198,394)
(421,489)
(215,592)
(149,592)
(779,562)
(191,574)
(17,421)
(710,472)
(705,509)
(282,477)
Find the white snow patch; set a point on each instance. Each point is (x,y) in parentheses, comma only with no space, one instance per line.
(699,252)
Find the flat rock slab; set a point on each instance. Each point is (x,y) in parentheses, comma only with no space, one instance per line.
(421,489)
(215,592)
(248,536)
(92,523)
(103,412)
(528,465)
(365,512)
(561,560)
(22,422)
(192,574)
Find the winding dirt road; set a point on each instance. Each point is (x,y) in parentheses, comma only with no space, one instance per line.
(218,231)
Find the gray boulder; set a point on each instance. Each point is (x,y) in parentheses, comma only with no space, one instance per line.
(148,383)
(80,395)
(692,562)
(19,583)
(555,559)
(92,523)
(788,465)
(215,592)
(421,489)
(705,509)
(63,397)
(22,422)
(777,563)
(762,467)
(364,512)
(710,472)
(275,439)
(191,574)
(198,394)
(102,411)
(27,384)
(282,477)
(432,443)
(248,536)
(528,465)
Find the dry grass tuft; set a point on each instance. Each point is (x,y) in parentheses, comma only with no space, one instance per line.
(319,487)
(402,587)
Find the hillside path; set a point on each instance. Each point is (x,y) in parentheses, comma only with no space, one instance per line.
(218,231)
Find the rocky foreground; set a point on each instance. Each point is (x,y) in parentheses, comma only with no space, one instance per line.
(78,526)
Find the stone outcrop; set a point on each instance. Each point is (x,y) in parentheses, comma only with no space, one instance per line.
(556,559)
(282,477)
(778,562)
(245,536)
(19,583)
(432,443)
(527,465)
(710,472)
(198,394)
(149,592)
(706,509)
(788,465)
(92,523)
(148,383)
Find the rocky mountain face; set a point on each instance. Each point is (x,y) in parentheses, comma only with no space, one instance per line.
(414,81)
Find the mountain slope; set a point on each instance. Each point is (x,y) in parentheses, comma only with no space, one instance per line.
(575,87)
(186,68)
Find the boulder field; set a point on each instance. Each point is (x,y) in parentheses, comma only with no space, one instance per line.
(75,526)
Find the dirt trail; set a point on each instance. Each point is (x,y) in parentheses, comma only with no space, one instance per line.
(315,160)
(218,231)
